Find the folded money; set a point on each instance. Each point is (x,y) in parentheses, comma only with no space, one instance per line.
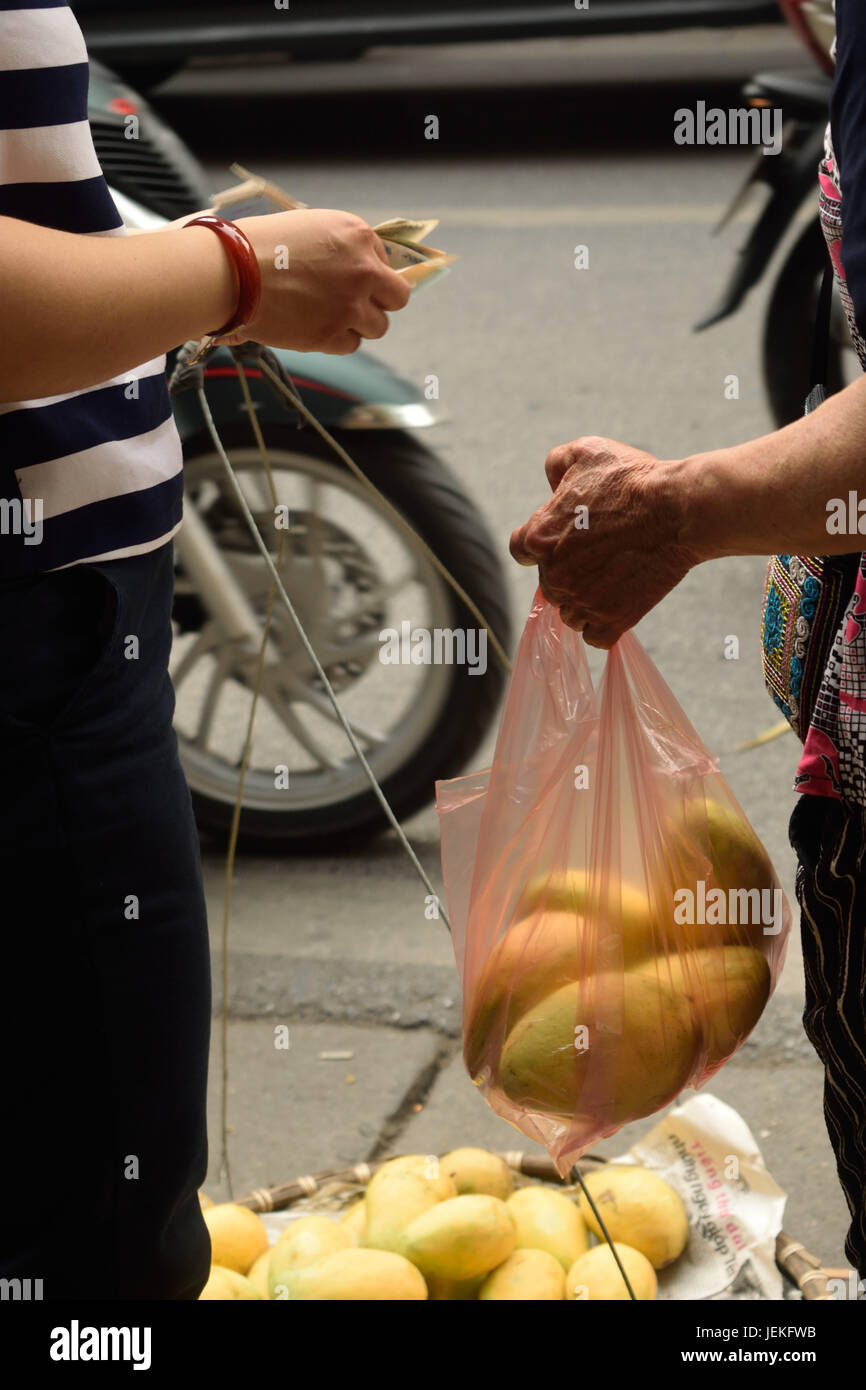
(417,263)
(401,237)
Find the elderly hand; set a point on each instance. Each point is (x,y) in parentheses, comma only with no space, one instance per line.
(608,542)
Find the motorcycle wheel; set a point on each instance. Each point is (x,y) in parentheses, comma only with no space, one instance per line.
(789,326)
(350,572)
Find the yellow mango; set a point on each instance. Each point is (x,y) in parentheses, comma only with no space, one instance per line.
(461,1238)
(355,1276)
(551,1221)
(526,1276)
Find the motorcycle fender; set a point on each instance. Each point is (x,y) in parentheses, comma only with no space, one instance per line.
(792,182)
(352,392)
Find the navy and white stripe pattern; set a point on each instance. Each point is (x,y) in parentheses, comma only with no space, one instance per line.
(103,466)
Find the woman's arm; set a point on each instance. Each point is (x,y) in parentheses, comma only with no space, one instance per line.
(781,492)
(78,310)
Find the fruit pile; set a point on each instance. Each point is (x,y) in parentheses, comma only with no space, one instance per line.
(456,1228)
(661,998)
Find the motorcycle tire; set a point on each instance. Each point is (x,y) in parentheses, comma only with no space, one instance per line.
(789,328)
(430,498)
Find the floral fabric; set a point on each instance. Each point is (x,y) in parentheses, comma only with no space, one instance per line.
(833,762)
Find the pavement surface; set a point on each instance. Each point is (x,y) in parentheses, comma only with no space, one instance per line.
(543,146)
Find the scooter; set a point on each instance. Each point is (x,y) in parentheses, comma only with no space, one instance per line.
(791,178)
(352,570)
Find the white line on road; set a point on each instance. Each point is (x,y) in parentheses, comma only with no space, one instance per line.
(632,215)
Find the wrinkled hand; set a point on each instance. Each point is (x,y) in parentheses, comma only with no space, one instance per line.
(606,567)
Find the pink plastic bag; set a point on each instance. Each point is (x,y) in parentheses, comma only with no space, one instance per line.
(617,924)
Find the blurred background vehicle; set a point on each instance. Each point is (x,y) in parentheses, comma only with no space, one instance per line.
(151,39)
(803,94)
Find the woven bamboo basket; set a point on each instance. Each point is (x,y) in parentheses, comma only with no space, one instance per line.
(334,1190)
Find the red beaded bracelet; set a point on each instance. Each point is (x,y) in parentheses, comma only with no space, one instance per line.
(243,258)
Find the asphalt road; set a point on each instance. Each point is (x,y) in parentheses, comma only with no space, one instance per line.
(543,146)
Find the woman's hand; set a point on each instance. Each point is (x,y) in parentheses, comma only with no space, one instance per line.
(607,543)
(326,281)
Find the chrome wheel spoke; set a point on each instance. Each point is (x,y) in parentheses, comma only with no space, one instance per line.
(361,648)
(197,649)
(209,703)
(281,704)
(321,703)
(257,491)
(313,508)
(382,593)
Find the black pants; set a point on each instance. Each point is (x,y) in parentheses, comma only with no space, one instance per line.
(104,972)
(829,838)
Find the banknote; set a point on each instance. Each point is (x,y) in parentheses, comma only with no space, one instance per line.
(403,238)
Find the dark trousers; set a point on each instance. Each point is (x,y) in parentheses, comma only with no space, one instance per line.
(105,973)
(829,838)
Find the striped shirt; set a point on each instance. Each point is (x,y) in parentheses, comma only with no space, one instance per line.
(93,474)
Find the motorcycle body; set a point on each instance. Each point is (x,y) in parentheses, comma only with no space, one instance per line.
(354,571)
(790,212)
